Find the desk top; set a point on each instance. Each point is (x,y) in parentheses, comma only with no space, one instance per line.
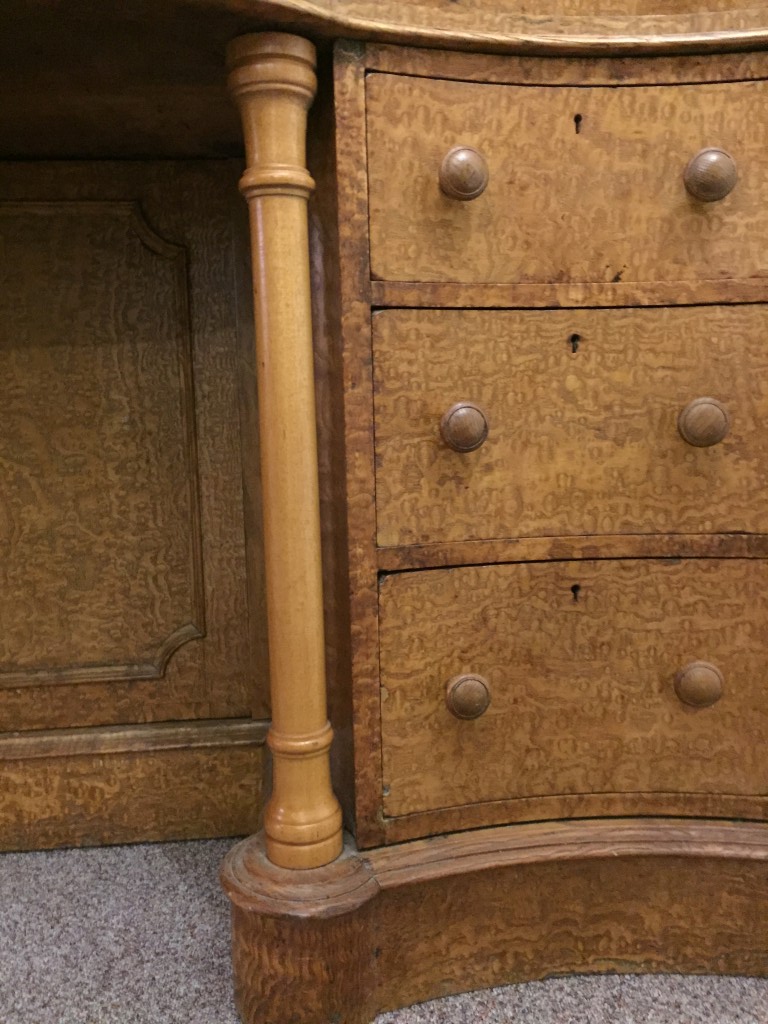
(523,26)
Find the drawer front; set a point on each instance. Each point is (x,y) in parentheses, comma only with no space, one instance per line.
(603,203)
(580,660)
(582,409)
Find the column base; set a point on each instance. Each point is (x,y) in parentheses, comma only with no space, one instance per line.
(384,928)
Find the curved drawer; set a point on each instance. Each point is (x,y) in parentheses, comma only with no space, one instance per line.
(585,183)
(580,660)
(583,411)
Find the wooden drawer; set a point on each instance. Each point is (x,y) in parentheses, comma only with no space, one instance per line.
(601,204)
(580,660)
(583,409)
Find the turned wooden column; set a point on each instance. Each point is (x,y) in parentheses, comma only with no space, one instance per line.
(272,79)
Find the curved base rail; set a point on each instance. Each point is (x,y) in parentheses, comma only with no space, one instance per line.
(384,928)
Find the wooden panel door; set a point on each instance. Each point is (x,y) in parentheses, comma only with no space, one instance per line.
(127,692)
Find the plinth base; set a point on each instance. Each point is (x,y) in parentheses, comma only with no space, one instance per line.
(384,928)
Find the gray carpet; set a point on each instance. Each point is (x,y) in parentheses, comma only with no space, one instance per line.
(140,935)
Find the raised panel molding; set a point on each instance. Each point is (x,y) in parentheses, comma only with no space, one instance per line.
(100,541)
(130,783)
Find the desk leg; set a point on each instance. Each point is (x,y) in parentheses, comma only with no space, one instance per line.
(272,79)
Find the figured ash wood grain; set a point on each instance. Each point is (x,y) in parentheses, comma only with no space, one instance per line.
(583,408)
(125,431)
(537,549)
(124,739)
(615,914)
(602,203)
(159,782)
(377,931)
(97,469)
(358,512)
(302,972)
(433,295)
(329,399)
(580,658)
(572,806)
(511,69)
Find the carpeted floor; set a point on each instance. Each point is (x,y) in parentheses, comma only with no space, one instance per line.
(140,935)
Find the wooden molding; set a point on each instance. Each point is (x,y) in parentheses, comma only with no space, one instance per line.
(505,28)
(466,66)
(140,783)
(523,549)
(257,885)
(353,341)
(392,926)
(428,859)
(124,739)
(79,280)
(154,669)
(436,295)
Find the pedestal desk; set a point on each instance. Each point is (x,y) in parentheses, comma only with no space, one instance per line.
(510,282)
(537,281)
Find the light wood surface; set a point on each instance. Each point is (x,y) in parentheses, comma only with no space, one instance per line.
(562,204)
(537,549)
(587,28)
(356,513)
(584,26)
(125,739)
(271,77)
(434,295)
(98,445)
(128,784)
(351,63)
(514,69)
(431,918)
(677,807)
(616,914)
(123,578)
(124,597)
(581,660)
(583,408)
(619,682)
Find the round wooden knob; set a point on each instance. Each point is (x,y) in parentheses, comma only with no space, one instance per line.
(463,173)
(468,696)
(704,422)
(710,175)
(464,427)
(699,684)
